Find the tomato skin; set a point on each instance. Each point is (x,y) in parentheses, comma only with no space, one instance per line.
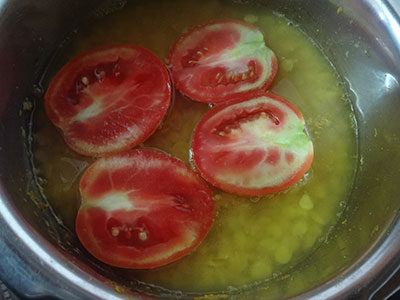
(109,99)
(236,152)
(214,63)
(142,209)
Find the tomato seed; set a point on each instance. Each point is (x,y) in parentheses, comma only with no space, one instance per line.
(114,231)
(193,57)
(116,71)
(233,77)
(85,80)
(99,74)
(142,236)
(235,122)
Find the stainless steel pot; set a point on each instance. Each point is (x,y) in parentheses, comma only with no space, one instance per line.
(41,258)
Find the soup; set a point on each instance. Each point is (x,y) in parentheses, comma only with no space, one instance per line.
(253,239)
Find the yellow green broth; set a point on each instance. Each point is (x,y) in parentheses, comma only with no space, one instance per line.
(252,239)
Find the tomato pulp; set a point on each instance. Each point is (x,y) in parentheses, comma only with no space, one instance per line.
(252,146)
(219,60)
(142,209)
(109,99)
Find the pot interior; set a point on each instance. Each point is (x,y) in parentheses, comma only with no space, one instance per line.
(364,54)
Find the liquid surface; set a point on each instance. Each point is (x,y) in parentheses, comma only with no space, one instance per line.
(252,239)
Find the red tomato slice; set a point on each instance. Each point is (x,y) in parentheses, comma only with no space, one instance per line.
(213,62)
(142,209)
(252,146)
(109,99)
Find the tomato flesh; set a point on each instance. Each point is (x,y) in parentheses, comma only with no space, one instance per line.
(252,146)
(142,209)
(109,99)
(213,62)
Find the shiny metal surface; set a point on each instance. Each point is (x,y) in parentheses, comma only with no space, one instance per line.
(5,293)
(40,258)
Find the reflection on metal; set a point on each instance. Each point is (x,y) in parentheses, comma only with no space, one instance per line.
(5,293)
(391,82)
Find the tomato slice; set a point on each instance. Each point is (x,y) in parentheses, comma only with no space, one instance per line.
(252,146)
(142,209)
(109,99)
(213,62)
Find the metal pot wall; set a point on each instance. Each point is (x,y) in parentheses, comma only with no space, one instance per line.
(40,258)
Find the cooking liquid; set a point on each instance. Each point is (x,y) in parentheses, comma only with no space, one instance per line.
(252,239)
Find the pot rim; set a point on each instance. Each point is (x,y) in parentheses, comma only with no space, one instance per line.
(25,252)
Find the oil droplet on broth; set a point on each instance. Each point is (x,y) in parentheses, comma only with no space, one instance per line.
(251,239)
